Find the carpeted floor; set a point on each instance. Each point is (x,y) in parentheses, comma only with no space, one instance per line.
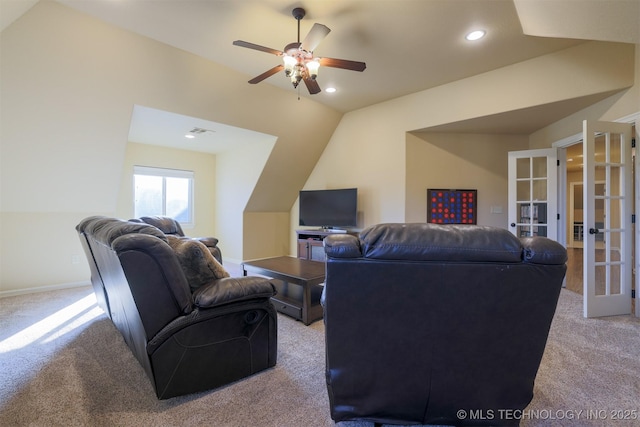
(62,363)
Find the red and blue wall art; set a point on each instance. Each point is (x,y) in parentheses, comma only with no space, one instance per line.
(452,206)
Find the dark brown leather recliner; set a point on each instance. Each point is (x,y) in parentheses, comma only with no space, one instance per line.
(432,324)
(171,226)
(186,342)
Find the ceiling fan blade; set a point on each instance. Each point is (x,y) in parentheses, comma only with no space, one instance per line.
(316,35)
(343,63)
(312,85)
(242,43)
(266,74)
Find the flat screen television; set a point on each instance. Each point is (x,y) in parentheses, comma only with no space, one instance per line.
(329,208)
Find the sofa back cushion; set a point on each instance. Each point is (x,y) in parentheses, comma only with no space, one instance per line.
(434,242)
(198,264)
(165,224)
(105,230)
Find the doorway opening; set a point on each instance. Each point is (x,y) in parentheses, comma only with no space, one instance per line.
(574,217)
(575,227)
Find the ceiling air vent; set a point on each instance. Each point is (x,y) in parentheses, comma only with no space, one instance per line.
(197,131)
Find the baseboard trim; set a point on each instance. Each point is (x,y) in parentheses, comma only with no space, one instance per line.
(16,292)
(231,260)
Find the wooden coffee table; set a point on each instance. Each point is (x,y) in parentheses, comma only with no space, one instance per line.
(298,285)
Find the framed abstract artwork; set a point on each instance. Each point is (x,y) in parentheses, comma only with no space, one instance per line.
(452,206)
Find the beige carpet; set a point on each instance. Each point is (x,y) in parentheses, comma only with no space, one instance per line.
(62,363)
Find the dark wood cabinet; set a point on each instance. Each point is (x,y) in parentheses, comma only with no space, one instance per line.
(298,284)
(311,249)
(310,244)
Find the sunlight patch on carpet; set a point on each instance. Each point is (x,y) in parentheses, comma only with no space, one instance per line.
(54,326)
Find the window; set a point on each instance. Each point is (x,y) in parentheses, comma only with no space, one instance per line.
(166,192)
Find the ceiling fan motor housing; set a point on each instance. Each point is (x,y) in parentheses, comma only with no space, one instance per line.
(298,13)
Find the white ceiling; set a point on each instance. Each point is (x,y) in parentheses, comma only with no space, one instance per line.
(157,127)
(408,45)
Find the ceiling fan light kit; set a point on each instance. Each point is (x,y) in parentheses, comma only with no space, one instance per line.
(299,64)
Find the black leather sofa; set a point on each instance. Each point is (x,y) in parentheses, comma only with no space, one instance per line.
(186,340)
(432,324)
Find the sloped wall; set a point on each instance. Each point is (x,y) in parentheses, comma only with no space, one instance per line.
(69,84)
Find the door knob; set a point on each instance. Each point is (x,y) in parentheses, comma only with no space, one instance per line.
(594,231)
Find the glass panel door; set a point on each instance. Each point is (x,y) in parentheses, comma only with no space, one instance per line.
(532,193)
(608,203)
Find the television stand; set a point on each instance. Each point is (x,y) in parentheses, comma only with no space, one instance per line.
(332,230)
(310,245)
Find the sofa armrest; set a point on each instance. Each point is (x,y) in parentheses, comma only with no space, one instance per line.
(232,289)
(342,246)
(540,250)
(204,316)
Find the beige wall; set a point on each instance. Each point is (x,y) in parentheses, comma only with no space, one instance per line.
(41,251)
(367,152)
(68,88)
(463,161)
(613,108)
(370,147)
(275,225)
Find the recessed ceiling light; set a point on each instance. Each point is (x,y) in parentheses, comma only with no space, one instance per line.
(330,89)
(190,136)
(475,35)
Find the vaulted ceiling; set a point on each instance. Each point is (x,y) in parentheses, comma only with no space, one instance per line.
(408,45)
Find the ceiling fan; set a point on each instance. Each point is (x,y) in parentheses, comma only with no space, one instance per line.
(298,60)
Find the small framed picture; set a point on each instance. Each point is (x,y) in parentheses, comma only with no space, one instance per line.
(452,206)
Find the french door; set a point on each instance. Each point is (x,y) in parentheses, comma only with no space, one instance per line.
(608,206)
(533,184)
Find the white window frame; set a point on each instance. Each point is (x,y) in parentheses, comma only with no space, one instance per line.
(167,173)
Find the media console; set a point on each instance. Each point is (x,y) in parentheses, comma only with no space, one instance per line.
(310,244)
